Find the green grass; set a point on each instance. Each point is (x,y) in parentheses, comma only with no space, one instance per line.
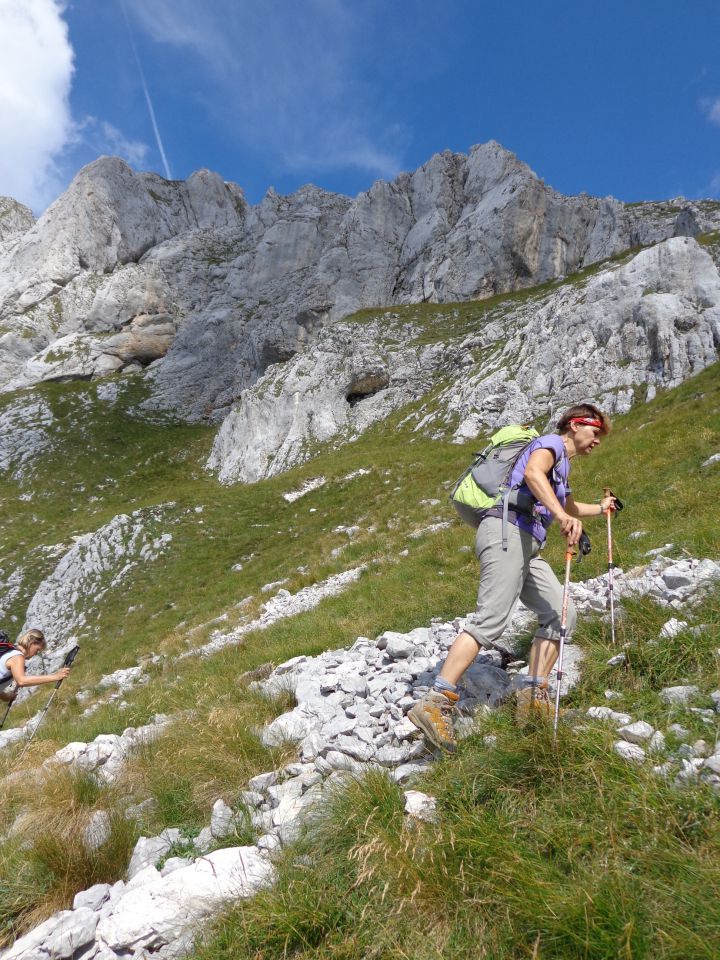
(541,850)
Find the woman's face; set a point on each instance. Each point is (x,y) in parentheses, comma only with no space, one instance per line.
(34,647)
(586,438)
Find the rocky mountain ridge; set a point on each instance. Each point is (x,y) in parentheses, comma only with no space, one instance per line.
(191,284)
(629,329)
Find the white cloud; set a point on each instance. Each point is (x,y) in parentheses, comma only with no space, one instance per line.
(36,68)
(711,108)
(101,137)
(289,81)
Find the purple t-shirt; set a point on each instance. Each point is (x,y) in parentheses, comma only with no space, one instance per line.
(558,481)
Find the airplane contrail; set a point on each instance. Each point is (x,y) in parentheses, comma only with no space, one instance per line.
(151,110)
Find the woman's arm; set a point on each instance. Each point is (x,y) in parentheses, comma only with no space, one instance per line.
(589,509)
(538,466)
(16,666)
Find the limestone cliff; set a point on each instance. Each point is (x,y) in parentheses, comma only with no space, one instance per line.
(187,281)
(615,335)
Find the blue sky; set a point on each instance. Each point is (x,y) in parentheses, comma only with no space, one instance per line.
(614,98)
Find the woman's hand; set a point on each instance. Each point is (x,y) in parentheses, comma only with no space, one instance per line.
(608,503)
(570,527)
(61,674)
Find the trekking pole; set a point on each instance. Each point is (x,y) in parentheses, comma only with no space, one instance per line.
(607,492)
(67,662)
(569,554)
(7,711)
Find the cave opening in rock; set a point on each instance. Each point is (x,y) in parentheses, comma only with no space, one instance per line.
(365,386)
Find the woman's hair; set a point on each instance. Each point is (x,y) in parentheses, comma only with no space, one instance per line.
(586,410)
(29,637)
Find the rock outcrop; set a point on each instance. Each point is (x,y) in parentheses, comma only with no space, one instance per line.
(630,329)
(96,563)
(15,219)
(128,271)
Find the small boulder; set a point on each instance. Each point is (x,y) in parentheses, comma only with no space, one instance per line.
(222,820)
(680,695)
(397,645)
(629,751)
(421,806)
(92,898)
(672,628)
(638,732)
(713,763)
(98,830)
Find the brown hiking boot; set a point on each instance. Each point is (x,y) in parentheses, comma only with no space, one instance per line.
(433,715)
(532,701)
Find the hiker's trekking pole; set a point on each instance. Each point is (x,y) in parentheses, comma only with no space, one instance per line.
(4,638)
(7,711)
(569,554)
(607,492)
(67,662)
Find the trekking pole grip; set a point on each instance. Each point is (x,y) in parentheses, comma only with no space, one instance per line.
(607,492)
(68,661)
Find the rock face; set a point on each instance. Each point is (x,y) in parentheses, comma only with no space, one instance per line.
(651,321)
(97,562)
(15,219)
(160,916)
(127,271)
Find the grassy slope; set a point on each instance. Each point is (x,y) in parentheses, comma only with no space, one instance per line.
(540,852)
(127,465)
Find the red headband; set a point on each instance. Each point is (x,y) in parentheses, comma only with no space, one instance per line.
(588,422)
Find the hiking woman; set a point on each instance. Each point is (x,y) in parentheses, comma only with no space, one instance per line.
(12,665)
(516,570)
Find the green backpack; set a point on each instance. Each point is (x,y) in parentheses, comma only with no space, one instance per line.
(485,483)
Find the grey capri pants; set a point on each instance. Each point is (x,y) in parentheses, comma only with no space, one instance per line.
(505,576)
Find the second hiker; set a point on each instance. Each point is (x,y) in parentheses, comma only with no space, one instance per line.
(12,665)
(511,567)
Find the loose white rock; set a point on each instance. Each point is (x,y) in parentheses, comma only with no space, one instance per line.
(672,628)
(629,751)
(680,695)
(421,806)
(638,732)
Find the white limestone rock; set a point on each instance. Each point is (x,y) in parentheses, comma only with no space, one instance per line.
(246,287)
(673,626)
(605,713)
(629,751)
(421,806)
(98,830)
(95,564)
(15,219)
(150,850)
(93,898)
(636,338)
(680,695)
(174,863)
(396,645)
(223,820)
(62,936)
(656,744)
(639,732)
(159,916)
(713,763)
